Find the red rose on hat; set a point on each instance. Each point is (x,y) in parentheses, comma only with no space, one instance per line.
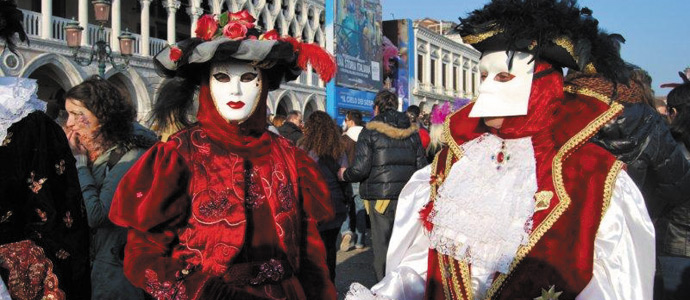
(206,27)
(269,35)
(175,53)
(243,17)
(235,31)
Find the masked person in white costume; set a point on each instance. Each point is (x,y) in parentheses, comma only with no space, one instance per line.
(519,204)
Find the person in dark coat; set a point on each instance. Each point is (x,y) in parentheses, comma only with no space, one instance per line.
(322,142)
(292,128)
(44,236)
(673,227)
(388,152)
(355,226)
(641,138)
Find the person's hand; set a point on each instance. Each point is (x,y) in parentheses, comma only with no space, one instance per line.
(341,173)
(75,144)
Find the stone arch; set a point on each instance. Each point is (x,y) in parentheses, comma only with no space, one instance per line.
(134,86)
(286,102)
(60,64)
(55,75)
(310,106)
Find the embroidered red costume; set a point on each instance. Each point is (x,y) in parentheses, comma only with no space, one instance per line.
(191,214)
(225,209)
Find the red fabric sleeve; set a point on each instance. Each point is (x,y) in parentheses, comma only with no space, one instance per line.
(313,273)
(424,136)
(152,201)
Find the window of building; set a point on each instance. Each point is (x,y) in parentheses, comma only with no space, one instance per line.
(474,90)
(464,81)
(420,67)
(433,72)
(455,78)
(443,75)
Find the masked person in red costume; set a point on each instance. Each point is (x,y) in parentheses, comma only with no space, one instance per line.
(225,209)
(519,204)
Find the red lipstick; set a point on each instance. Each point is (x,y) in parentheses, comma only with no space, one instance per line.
(235,104)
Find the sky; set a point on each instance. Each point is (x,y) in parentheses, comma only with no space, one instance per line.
(657,32)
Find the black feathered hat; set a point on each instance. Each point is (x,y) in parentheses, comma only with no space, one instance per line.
(557,31)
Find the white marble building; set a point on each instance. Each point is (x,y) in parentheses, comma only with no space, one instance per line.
(446,68)
(155,23)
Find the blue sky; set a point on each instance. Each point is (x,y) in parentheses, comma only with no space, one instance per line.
(657,32)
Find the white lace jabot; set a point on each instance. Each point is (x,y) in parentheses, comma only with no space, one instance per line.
(17,100)
(483,211)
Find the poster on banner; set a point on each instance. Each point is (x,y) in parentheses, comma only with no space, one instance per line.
(357,27)
(350,99)
(398,64)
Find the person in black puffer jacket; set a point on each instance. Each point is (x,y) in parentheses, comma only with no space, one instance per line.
(388,152)
(641,138)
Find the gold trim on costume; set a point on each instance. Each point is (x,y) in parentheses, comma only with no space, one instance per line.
(444,276)
(478,38)
(567,44)
(580,138)
(450,141)
(466,278)
(589,93)
(590,69)
(609,185)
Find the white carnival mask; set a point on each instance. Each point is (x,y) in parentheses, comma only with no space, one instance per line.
(235,89)
(504,92)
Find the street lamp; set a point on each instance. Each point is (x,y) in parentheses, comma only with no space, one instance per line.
(100,51)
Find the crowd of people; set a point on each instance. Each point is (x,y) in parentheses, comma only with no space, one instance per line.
(547,185)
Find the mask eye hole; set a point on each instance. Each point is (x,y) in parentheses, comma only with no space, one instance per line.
(504,77)
(247,77)
(222,77)
(482,76)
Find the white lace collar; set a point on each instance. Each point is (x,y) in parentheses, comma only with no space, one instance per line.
(483,211)
(17,100)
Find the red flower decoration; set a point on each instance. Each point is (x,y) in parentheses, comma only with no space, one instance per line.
(206,27)
(269,35)
(175,53)
(243,17)
(235,31)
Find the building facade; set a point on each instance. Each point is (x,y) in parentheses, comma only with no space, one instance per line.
(154,24)
(446,68)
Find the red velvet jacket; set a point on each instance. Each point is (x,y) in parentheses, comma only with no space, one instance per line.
(210,198)
(574,176)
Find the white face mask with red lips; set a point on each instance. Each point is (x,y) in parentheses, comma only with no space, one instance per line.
(235,89)
(504,92)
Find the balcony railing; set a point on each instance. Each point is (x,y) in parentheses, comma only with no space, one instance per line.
(33,24)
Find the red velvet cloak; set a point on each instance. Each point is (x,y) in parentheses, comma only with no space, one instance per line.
(192,216)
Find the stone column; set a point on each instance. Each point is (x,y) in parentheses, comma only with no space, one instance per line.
(194,13)
(46,19)
(115,20)
(84,21)
(145,27)
(172,6)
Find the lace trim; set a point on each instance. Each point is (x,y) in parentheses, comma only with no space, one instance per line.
(17,100)
(564,199)
(476,222)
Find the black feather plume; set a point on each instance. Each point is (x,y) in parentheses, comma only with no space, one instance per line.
(11,24)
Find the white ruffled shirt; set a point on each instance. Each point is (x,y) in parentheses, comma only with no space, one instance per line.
(17,100)
(623,249)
